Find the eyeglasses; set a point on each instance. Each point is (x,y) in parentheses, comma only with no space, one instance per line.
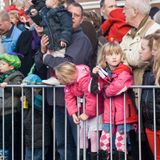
(76,15)
(127,8)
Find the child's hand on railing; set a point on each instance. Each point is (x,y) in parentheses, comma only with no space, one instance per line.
(83,117)
(75,119)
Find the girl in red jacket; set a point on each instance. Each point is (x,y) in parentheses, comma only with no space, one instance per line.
(113,78)
(77,79)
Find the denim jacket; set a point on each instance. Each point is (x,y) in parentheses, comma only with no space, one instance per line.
(9,41)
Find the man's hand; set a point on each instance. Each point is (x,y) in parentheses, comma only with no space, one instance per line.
(83,117)
(75,119)
(44,44)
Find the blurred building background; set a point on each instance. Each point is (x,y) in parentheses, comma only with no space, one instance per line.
(87,4)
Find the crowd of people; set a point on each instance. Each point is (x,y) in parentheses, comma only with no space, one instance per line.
(98,57)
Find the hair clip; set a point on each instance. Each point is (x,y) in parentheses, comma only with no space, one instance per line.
(12,7)
(111,39)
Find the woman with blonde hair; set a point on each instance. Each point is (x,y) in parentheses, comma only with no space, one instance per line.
(150,53)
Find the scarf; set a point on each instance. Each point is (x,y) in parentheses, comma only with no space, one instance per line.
(121,68)
(3,76)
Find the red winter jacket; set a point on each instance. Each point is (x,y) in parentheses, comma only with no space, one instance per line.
(80,89)
(115,26)
(121,79)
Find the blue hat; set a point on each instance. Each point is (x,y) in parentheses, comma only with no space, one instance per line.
(32,79)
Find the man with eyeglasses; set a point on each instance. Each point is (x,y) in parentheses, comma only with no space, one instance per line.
(79,52)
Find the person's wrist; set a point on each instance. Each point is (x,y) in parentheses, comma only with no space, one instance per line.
(44,51)
(44,55)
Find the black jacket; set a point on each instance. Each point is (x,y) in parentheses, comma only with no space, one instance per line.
(147,100)
(30,39)
(38,114)
(12,79)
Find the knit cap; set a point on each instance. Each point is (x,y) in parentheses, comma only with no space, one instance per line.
(32,79)
(11,59)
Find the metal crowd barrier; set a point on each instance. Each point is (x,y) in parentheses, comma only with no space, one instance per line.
(79,102)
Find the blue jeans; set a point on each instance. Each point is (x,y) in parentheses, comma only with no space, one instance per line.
(4,155)
(37,153)
(60,134)
(8,135)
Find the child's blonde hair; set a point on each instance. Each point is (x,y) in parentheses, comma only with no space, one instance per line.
(14,13)
(65,72)
(108,49)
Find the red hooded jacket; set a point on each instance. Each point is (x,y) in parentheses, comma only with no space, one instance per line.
(121,80)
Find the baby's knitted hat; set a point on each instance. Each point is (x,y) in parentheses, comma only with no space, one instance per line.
(11,59)
(32,79)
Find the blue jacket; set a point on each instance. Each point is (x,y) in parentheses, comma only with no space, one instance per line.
(57,23)
(9,41)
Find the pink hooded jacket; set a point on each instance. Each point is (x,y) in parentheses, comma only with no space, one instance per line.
(122,79)
(80,88)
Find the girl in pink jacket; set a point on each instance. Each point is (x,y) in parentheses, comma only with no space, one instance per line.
(77,79)
(113,78)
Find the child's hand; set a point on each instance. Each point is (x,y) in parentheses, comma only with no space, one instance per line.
(3,85)
(96,69)
(75,119)
(63,44)
(83,117)
(23,98)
